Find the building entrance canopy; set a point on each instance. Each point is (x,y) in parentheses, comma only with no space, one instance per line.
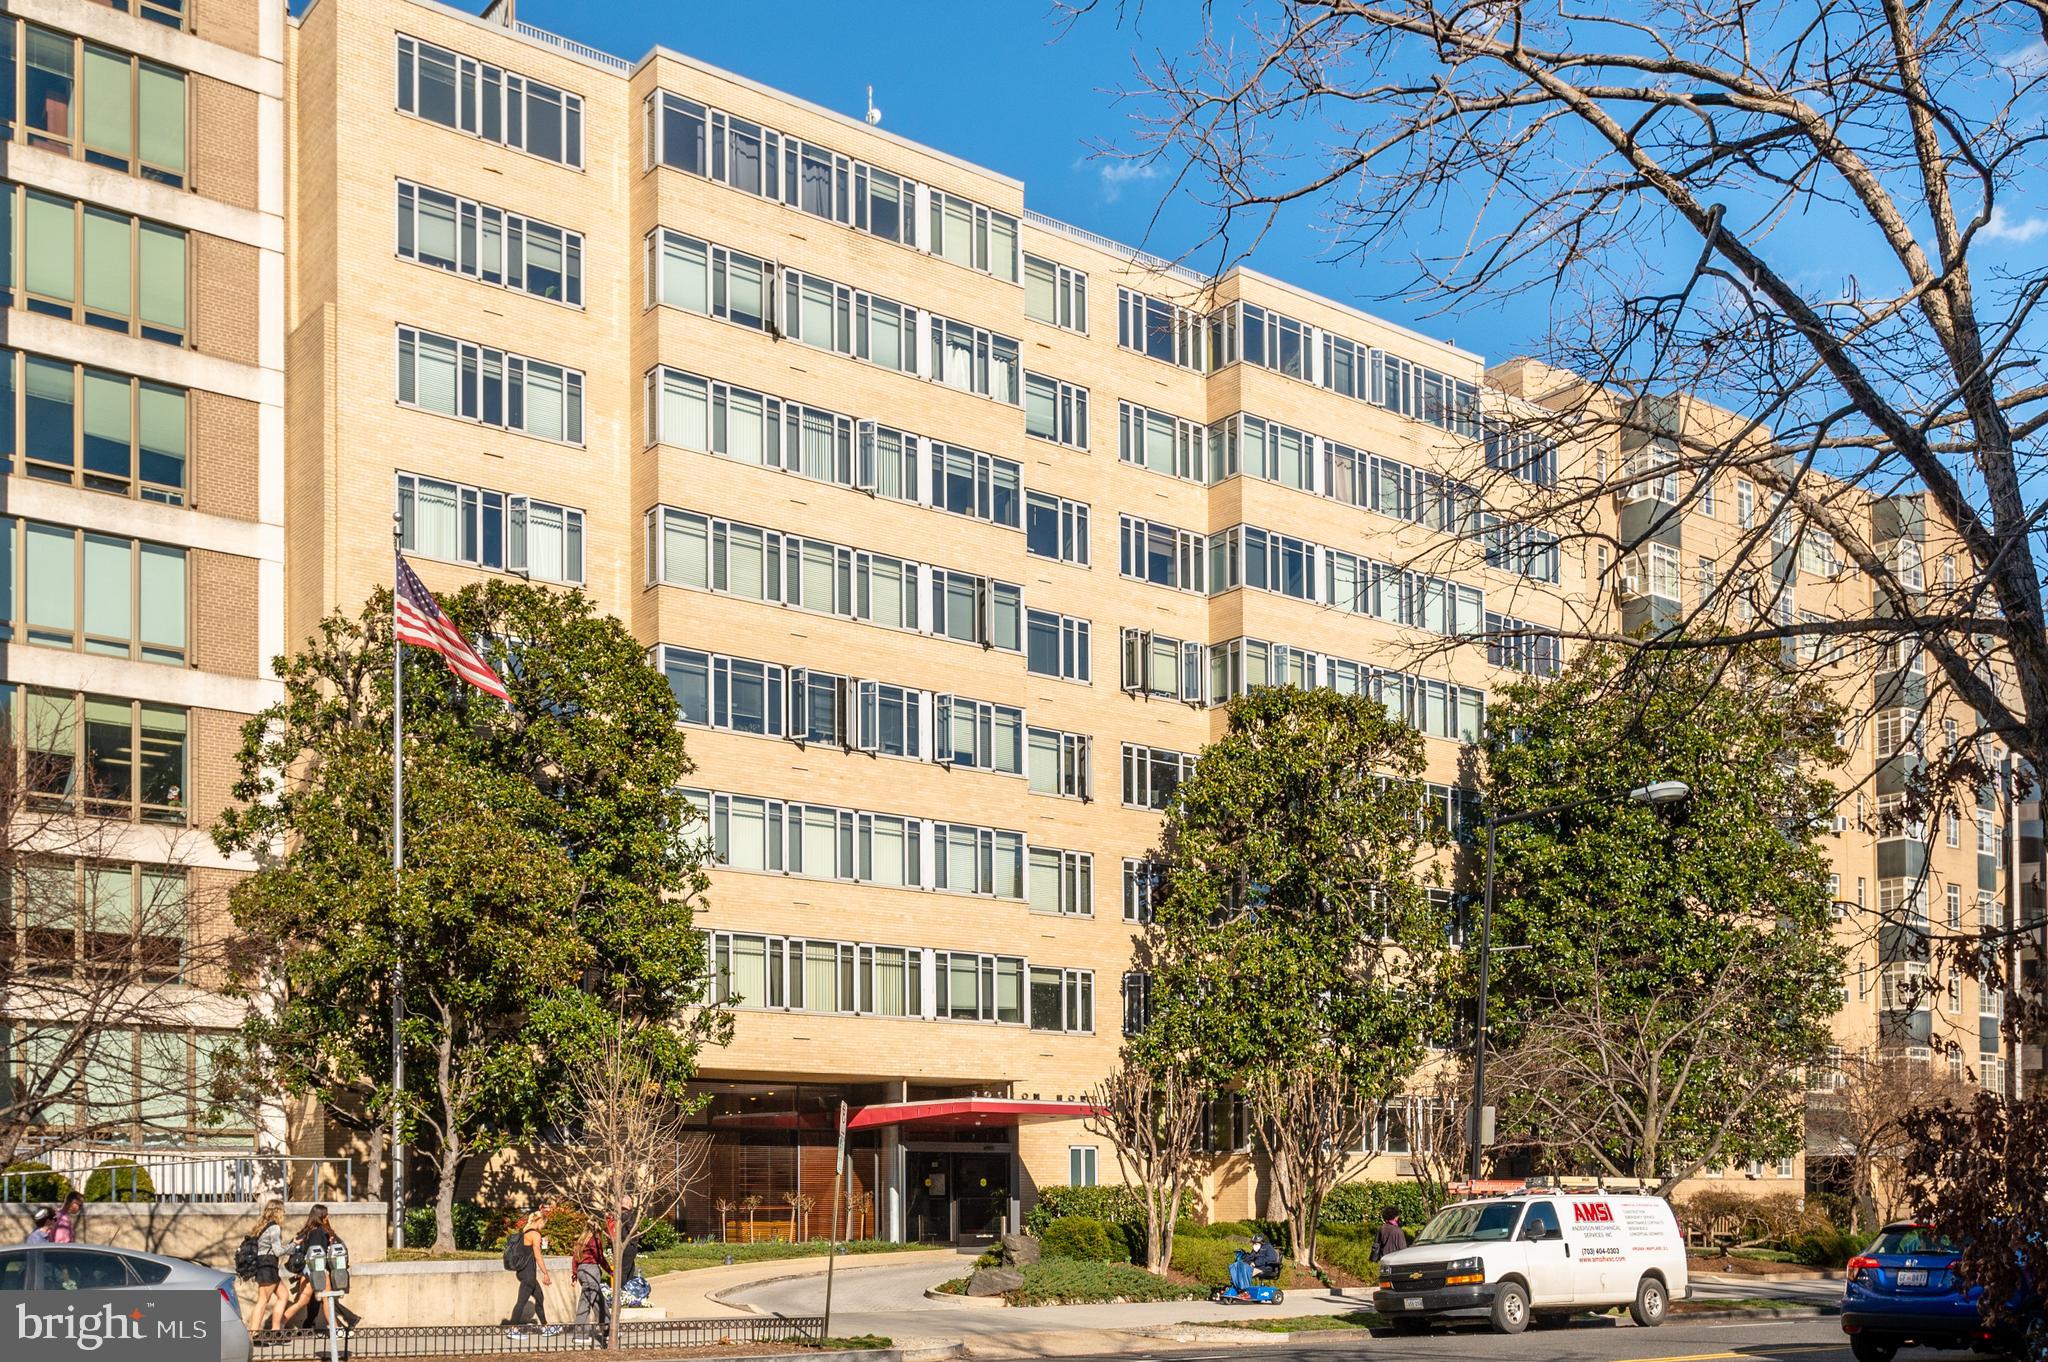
(963,1111)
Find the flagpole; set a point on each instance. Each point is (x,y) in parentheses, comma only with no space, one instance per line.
(397,1188)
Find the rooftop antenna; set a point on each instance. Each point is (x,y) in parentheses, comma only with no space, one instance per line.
(874,114)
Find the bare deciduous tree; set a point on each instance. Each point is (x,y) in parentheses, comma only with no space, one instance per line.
(1153,1122)
(107,950)
(1311,1120)
(1859,1115)
(634,1151)
(1611,1087)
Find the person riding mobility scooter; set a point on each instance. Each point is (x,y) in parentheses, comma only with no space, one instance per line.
(1250,1271)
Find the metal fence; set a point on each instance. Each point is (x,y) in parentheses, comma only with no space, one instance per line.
(490,1340)
(176,1175)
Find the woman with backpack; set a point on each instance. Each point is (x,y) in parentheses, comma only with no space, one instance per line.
(315,1233)
(526,1254)
(266,1241)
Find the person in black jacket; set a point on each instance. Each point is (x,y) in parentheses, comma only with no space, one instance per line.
(1389,1237)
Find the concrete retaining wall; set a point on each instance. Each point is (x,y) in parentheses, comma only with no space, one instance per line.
(469,1291)
(208,1231)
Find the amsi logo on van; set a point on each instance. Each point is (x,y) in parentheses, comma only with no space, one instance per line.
(1584,1211)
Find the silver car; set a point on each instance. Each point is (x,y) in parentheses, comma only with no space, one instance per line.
(91,1267)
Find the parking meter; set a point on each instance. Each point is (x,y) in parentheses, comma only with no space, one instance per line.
(316,1269)
(337,1269)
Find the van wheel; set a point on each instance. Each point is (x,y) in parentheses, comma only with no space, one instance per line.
(1868,1349)
(1510,1309)
(1650,1303)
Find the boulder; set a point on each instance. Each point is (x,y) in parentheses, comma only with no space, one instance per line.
(994,1281)
(1019,1250)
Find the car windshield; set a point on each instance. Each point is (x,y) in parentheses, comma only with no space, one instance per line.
(1911,1239)
(1476,1220)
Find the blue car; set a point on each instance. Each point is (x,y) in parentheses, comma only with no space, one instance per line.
(1904,1290)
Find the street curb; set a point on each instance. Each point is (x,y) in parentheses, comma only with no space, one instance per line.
(1205,1333)
(1757,1312)
(971,1302)
(867,1259)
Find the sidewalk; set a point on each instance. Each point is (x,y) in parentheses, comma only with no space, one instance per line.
(692,1294)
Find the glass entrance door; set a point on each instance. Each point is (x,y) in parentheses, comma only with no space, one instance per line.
(957,1197)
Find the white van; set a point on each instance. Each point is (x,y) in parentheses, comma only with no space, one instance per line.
(1511,1258)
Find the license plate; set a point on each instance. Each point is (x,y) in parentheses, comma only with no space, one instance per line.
(1913,1276)
(1411,1302)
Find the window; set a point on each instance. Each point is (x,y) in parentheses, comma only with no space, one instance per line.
(1522,646)
(1162,555)
(451,521)
(545,541)
(1144,881)
(91,428)
(1258,335)
(1898,731)
(887,462)
(972,987)
(1650,474)
(1425,394)
(968,234)
(489,102)
(1062,882)
(1058,763)
(1745,503)
(974,360)
(1906,562)
(731,693)
(1262,449)
(975,860)
(170,13)
(1241,665)
(1056,528)
(94,103)
(1137,1002)
(1955,907)
(891,720)
(1651,570)
(1056,410)
(1159,442)
(1055,294)
(92,265)
(1987,836)
(1990,912)
(976,609)
(493,387)
(980,486)
(1955,993)
(1056,645)
(1162,330)
(93,593)
(1062,999)
(1532,553)
(1526,455)
(1264,561)
(103,756)
(1081,1165)
(1156,665)
(712,280)
(489,244)
(979,735)
(75,915)
(1152,774)
(1952,828)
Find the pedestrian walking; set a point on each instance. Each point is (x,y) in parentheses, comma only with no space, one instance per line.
(65,1228)
(526,1255)
(267,1269)
(1389,1237)
(590,1270)
(629,1237)
(39,1227)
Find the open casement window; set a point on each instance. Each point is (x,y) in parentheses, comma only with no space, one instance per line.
(823,708)
(1155,665)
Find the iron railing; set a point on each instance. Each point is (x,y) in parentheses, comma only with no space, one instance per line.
(575,49)
(484,1340)
(167,1175)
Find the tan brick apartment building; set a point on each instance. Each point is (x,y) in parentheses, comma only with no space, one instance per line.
(952,525)
(143,526)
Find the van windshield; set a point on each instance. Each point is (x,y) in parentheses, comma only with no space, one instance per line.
(1477,1220)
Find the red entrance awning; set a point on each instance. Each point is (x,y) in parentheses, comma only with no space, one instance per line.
(988,1111)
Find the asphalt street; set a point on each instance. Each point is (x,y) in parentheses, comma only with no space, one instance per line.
(1808,1340)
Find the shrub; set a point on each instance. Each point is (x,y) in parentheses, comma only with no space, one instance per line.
(1052,1281)
(657,1236)
(36,1181)
(563,1228)
(1084,1239)
(1360,1203)
(1347,1248)
(419,1227)
(120,1180)
(1826,1246)
(1111,1202)
(1838,1207)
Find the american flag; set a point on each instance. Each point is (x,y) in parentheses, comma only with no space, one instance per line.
(420,622)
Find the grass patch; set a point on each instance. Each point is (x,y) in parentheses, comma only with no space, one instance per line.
(684,1257)
(955,1287)
(412,1255)
(1763,1255)
(1068,1281)
(855,1343)
(1302,1324)
(1746,1303)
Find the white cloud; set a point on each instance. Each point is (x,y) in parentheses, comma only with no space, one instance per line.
(1116,174)
(2026,59)
(2003,228)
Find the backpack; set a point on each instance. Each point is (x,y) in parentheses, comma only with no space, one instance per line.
(295,1260)
(245,1258)
(515,1251)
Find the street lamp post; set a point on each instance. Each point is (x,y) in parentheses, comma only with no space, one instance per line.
(1658,792)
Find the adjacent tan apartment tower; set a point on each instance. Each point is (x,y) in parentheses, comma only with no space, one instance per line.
(142,534)
(950,524)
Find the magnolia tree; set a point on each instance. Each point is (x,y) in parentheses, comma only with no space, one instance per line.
(548,852)
(1295,951)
